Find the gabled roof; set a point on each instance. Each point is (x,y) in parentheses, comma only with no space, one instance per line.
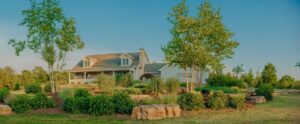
(154,67)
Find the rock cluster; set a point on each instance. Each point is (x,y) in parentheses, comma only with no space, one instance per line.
(256,99)
(155,112)
(5,110)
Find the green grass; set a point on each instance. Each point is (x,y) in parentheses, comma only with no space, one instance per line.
(283,109)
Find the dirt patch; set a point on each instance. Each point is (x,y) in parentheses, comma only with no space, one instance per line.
(50,111)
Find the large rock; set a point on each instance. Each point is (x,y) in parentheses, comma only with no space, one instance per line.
(5,110)
(256,99)
(155,112)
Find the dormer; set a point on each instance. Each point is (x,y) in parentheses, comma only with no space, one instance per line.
(88,62)
(126,60)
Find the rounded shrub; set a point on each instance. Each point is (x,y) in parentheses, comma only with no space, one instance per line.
(41,100)
(133,91)
(47,88)
(218,100)
(172,85)
(101,105)
(237,102)
(81,93)
(21,104)
(33,88)
(77,105)
(17,86)
(106,83)
(4,92)
(191,101)
(122,103)
(265,90)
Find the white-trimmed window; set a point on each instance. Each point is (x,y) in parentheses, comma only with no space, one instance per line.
(125,61)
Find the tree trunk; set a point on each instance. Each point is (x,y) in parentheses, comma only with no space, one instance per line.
(51,79)
(193,78)
(186,78)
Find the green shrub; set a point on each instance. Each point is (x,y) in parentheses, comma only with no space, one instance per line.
(208,89)
(21,104)
(237,102)
(218,100)
(182,84)
(66,93)
(224,80)
(81,93)
(106,83)
(4,92)
(41,100)
(33,88)
(125,80)
(47,88)
(101,105)
(155,85)
(17,86)
(172,85)
(191,101)
(169,99)
(133,91)
(265,90)
(122,103)
(77,105)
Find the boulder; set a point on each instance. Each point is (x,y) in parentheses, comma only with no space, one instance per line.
(155,112)
(256,99)
(5,110)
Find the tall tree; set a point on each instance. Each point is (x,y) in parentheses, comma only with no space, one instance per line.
(269,75)
(40,75)
(298,64)
(8,77)
(286,81)
(26,77)
(50,34)
(249,78)
(237,70)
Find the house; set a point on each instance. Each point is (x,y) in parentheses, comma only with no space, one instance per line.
(136,63)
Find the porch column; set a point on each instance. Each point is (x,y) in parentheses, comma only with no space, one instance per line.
(84,77)
(113,73)
(69,78)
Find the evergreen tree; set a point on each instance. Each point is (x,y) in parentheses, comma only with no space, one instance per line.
(269,75)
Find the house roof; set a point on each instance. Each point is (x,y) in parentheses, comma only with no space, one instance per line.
(107,62)
(154,67)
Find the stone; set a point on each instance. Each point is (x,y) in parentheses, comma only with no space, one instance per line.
(155,112)
(256,99)
(140,98)
(5,110)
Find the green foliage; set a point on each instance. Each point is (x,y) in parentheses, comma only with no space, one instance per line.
(47,88)
(17,86)
(249,79)
(61,77)
(4,92)
(81,93)
(237,102)
(122,103)
(8,77)
(218,100)
(286,81)
(26,77)
(224,80)
(33,88)
(66,93)
(269,75)
(168,99)
(208,89)
(155,85)
(265,90)
(41,100)
(40,75)
(101,105)
(182,84)
(21,104)
(106,83)
(125,80)
(172,85)
(238,69)
(77,105)
(297,64)
(191,101)
(133,91)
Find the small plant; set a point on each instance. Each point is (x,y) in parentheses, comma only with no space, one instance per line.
(169,99)
(125,80)
(77,105)
(122,103)
(41,100)
(33,88)
(191,101)
(172,85)
(66,93)
(106,83)
(17,86)
(237,102)
(155,85)
(4,92)
(21,104)
(133,91)
(47,88)
(265,90)
(218,100)
(101,105)
(81,93)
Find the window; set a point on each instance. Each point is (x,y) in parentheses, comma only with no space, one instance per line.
(125,62)
(86,64)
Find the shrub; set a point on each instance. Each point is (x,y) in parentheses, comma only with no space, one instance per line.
(224,89)
(191,101)
(224,80)
(33,88)
(66,93)
(101,105)
(106,83)
(41,100)
(4,92)
(125,80)
(218,100)
(265,90)
(21,104)
(81,93)
(182,84)
(47,88)
(122,103)
(17,86)
(77,105)
(155,85)
(172,85)
(237,102)
(133,91)
(169,99)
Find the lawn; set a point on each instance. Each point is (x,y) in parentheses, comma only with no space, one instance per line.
(283,109)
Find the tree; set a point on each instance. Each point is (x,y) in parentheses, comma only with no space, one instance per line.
(238,69)
(286,81)
(50,35)
(257,81)
(298,64)
(249,78)
(8,77)
(269,75)
(26,77)
(40,75)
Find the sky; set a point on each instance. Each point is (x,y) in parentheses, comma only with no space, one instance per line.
(267,30)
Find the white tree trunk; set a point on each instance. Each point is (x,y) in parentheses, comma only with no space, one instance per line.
(186,78)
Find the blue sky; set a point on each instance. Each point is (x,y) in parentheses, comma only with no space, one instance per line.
(268,30)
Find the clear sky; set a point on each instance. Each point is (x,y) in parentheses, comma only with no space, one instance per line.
(268,30)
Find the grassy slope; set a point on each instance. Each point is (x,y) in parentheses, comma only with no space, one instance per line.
(283,109)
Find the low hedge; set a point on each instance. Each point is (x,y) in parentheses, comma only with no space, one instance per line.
(81,93)
(265,90)
(33,88)
(77,105)
(218,100)
(101,105)
(41,100)
(122,103)
(4,92)
(191,101)
(237,102)
(208,89)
